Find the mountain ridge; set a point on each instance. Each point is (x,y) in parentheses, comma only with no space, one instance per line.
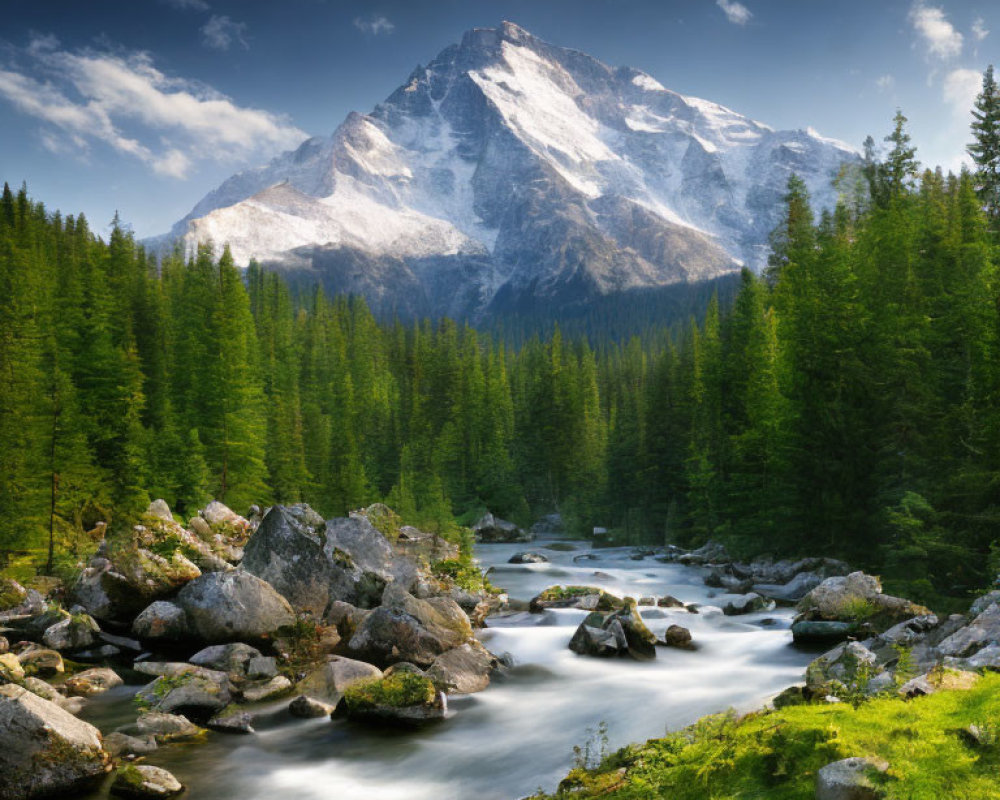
(510,172)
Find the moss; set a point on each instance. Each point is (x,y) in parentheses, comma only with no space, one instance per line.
(607,602)
(11,594)
(342,558)
(162,686)
(776,754)
(399,690)
(464,574)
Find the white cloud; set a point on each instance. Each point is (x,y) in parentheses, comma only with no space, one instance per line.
(736,13)
(979,29)
(128,104)
(960,88)
(885,82)
(937,33)
(221,33)
(186,5)
(374,25)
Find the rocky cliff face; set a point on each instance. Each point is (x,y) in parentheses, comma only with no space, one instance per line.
(510,173)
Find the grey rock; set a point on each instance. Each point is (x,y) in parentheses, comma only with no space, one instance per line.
(44,690)
(987,658)
(306,707)
(259,691)
(233,606)
(527,558)
(233,658)
(166,727)
(821,631)
(92,681)
(850,779)
(161,621)
(232,720)
(791,592)
(312,566)
(983,631)
(75,633)
(262,668)
(121,744)
(677,636)
(462,670)
(746,604)
(490,529)
(44,749)
(199,690)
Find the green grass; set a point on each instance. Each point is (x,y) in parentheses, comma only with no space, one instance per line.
(399,690)
(776,754)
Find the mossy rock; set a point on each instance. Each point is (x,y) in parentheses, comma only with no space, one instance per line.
(398,690)
(12,594)
(588,598)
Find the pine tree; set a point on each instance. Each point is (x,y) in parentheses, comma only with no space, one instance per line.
(985,150)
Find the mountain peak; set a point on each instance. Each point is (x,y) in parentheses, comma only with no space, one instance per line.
(509,172)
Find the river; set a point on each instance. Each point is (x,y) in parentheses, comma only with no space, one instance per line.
(519,734)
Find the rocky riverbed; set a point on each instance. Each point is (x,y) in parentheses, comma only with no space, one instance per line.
(287,655)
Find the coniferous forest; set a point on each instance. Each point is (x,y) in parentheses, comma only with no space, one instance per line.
(846,402)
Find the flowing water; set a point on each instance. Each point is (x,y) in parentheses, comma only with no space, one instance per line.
(519,734)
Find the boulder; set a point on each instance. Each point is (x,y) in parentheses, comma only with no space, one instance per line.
(305,707)
(857,598)
(708,553)
(405,628)
(232,719)
(75,633)
(462,670)
(640,642)
(938,680)
(259,691)
(677,636)
(43,690)
(43,749)
(233,658)
(161,621)
(160,510)
(850,779)
(12,595)
(548,525)
(821,631)
(987,658)
(792,591)
(746,604)
(329,682)
(669,601)
(41,661)
(721,580)
(414,543)
(106,594)
(491,530)
(262,668)
(587,598)
(982,632)
(92,681)
(11,670)
(841,664)
(404,699)
(980,604)
(313,565)
(237,605)
(527,557)
(165,727)
(142,781)
(595,640)
(198,690)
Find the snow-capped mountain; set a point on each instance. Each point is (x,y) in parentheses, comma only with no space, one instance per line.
(510,173)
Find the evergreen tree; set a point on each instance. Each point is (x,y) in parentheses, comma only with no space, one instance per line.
(985,150)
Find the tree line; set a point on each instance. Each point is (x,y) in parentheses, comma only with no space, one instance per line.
(846,402)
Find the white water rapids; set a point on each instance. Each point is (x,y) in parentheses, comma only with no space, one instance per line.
(519,734)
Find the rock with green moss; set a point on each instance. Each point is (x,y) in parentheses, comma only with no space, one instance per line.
(199,690)
(404,699)
(76,632)
(12,594)
(587,598)
(405,628)
(166,727)
(41,661)
(42,688)
(328,682)
(161,621)
(143,781)
(259,691)
(43,749)
(11,670)
(234,658)
(856,598)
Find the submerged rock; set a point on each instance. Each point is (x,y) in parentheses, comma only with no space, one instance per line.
(328,682)
(121,744)
(232,719)
(821,631)
(305,707)
(43,749)
(677,636)
(93,681)
(166,727)
(746,604)
(587,598)
(527,558)
(464,669)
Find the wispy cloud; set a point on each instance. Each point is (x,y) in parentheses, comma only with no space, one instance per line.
(979,29)
(125,102)
(940,37)
(960,88)
(374,24)
(884,83)
(736,13)
(221,33)
(188,5)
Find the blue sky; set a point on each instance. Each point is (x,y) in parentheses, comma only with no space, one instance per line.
(146,106)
